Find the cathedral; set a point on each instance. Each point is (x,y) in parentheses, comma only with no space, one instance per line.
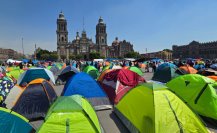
(82,45)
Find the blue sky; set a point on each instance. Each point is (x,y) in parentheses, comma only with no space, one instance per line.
(151,24)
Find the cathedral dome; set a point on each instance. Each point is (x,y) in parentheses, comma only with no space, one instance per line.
(61,15)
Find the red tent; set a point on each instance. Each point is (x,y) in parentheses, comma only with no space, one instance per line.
(118,82)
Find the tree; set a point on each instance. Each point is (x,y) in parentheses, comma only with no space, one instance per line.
(53,57)
(63,57)
(94,55)
(132,55)
(45,56)
(71,56)
(78,57)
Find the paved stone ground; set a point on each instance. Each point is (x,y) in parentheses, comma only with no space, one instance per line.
(109,121)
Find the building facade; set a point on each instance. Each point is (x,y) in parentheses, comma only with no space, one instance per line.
(6,54)
(82,45)
(165,54)
(196,49)
(120,48)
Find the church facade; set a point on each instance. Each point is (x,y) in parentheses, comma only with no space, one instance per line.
(82,45)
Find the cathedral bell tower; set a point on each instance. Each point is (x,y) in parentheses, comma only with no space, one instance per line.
(101,35)
(62,35)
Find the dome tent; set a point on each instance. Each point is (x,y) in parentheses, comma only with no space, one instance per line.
(71,114)
(35,99)
(152,108)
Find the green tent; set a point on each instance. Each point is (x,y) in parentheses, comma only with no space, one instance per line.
(92,71)
(165,74)
(16,73)
(71,114)
(106,68)
(136,70)
(152,108)
(49,67)
(199,92)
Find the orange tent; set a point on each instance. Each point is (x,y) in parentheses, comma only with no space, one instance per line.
(213,77)
(100,78)
(188,69)
(125,67)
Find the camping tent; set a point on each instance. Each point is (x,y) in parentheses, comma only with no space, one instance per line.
(118,82)
(198,92)
(165,73)
(67,72)
(35,73)
(92,71)
(136,70)
(188,69)
(71,114)
(54,69)
(35,99)
(12,96)
(16,72)
(83,84)
(152,108)
(12,122)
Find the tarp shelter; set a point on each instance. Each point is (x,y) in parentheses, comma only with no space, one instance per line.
(35,73)
(188,69)
(83,84)
(165,73)
(67,72)
(92,71)
(118,82)
(198,92)
(35,99)
(136,70)
(71,114)
(5,87)
(152,108)
(12,122)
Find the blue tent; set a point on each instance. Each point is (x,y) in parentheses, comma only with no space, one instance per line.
(162,66)
(12,122)
(25,60)
(68,72)
(199,66)
(83,84)
(35,73)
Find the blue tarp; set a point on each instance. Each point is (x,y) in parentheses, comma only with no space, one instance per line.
(83,84)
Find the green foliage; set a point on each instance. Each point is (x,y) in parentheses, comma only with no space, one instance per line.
(78,57)
(63,57)
(46,55)
(94,55)
(132,55)
(71,56)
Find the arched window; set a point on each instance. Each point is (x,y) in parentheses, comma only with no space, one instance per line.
(62,39)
